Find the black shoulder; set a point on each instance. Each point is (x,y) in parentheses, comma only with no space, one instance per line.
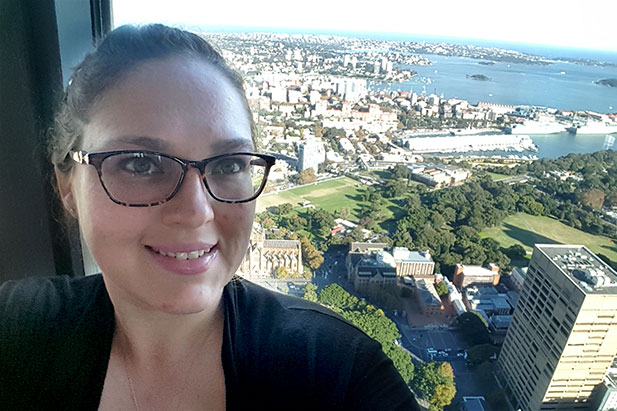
(41,298)
(51,329)
(290,347)
(248,293)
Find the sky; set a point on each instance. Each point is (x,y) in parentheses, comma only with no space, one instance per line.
(588,24)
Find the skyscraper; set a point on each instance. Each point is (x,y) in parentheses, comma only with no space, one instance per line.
(563,335)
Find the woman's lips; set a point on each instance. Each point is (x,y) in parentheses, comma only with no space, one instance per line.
(185,260)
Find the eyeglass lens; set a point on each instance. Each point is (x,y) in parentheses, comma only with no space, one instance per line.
(143,178)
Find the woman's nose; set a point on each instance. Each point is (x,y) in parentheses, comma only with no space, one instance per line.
(192,204)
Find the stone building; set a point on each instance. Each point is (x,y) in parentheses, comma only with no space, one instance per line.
(417,264)
(264,256)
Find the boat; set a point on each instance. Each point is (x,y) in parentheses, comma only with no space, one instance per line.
(535,127)
(593,127)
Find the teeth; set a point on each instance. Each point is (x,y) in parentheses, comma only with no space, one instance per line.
(191,255)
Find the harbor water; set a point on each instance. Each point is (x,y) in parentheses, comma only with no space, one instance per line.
(561,144)
(565,86)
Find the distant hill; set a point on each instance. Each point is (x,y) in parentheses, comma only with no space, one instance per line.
(611,82)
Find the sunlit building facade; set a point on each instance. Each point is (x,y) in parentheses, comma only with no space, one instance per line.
(563,335)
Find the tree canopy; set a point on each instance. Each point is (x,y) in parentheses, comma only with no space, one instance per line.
(434,381)
(370,320)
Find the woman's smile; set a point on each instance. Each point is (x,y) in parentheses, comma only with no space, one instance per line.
(185,259)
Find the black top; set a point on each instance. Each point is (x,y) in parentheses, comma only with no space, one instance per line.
(279,352)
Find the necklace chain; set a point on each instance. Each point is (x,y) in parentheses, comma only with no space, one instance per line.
(128,377)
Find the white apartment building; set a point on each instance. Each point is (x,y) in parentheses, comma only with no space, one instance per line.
(311,154)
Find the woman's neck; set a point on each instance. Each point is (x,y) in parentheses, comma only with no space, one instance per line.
(149,337)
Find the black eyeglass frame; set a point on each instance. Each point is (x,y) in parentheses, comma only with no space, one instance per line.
(96,160)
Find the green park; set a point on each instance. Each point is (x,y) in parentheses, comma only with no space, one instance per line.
(520,228)
(527,230)
(331,195)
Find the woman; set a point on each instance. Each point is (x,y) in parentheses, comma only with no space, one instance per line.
(154,157)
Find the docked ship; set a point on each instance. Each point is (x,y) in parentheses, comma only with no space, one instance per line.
(535,127)
(593,127)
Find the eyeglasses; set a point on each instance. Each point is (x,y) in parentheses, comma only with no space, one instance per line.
(147,178)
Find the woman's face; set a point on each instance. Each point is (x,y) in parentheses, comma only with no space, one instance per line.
(184,107)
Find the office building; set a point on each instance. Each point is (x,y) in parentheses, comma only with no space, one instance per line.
(563,335)
(311,154)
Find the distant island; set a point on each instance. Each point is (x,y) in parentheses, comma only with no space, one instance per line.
(479,77)
(611,82)
(487,63)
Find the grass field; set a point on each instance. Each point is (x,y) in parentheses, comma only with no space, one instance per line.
(331,195)
(497,177)
(528,230)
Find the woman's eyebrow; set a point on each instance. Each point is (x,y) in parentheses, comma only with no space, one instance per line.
(146,142)
(231,144)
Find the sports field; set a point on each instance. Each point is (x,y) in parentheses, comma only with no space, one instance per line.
(330,195)
(528,230)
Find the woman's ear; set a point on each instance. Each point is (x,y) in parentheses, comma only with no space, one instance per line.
(66,194)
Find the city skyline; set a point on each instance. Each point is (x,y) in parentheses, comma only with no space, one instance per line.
(550,23)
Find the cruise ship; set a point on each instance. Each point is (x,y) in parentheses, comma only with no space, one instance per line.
(593,127)
(535,127)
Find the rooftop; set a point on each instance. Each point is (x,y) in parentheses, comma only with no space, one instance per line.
(364,247)
(474,404)
(373,270)
(478,271)
(282,243)
(583,267)
(427,292)
(403,254)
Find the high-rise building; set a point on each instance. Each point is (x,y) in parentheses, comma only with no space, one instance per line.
(311,154)
(563,335)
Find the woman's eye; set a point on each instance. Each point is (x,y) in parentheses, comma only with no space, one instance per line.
(229,166)
(141,166)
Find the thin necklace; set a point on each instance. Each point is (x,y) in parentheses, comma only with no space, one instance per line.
(128,377)
(135,403)
(130,380)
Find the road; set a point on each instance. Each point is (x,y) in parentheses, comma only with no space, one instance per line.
(447,343)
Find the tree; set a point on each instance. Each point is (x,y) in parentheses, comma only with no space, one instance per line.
(281,272)
(441,288)
(310,292)
(401,360)
(335,296)
(430,375)
(310,255)
(516,252)
(307,176)
(322,222)
(446,370)
(294,222)
(395,188)
(443,395)
(478,354)
(285,208)
(474,328)
(400,171)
